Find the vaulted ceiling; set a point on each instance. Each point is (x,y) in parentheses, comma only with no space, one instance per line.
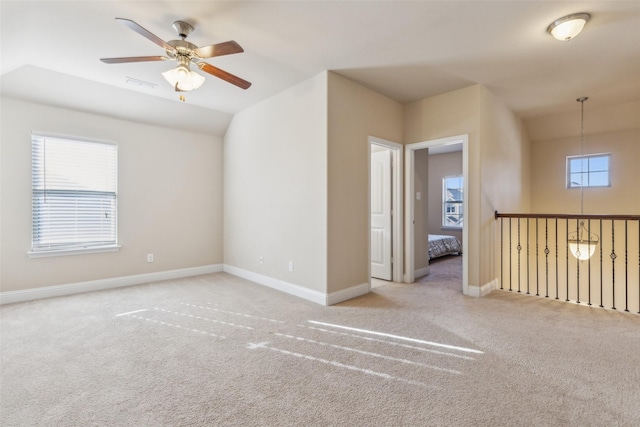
(409,50)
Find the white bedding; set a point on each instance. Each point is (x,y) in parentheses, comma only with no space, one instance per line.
(440,245)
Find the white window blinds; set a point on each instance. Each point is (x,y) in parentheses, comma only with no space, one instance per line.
(74,196)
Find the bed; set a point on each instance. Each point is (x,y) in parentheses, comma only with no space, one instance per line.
(441,245)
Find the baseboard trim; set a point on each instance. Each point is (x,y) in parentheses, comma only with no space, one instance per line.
(280,285)
(9,297)
(421,272)
(348,293)
(481,291)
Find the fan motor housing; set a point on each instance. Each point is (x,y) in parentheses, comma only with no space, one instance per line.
(182,47)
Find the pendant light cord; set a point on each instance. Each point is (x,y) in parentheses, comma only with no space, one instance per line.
(581,101)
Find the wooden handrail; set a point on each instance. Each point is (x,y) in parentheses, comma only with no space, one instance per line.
(568,216)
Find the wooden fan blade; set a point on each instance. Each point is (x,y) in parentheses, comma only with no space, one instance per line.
(215,71)
(133,59)
(226,48)
(146,33)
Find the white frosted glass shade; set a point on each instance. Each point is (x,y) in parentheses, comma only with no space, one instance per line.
(183,79)
(566,28)
(582,250)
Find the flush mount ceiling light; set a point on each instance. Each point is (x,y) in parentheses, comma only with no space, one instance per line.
(567,27)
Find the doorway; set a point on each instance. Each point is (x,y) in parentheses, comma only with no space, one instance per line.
(385,203)
(410,194)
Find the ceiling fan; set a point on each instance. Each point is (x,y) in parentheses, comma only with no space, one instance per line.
(184,53)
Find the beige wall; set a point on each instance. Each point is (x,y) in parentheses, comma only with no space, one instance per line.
(604,119)
(295,184)
(297,190)
(441,116)
(498,172)
(169,198)
(441,166)
(422,213)
(505,177)
(275,191)
(450,114)
(355,113)
(612,129)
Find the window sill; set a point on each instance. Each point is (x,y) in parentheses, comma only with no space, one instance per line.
(80,251)
(451,228)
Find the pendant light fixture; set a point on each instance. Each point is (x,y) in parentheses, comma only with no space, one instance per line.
(581,242)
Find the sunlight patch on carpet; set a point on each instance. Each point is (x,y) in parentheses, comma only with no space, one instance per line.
(250,316)
(384,334)
(171,325)
(392,343)
(253,346)
(368,353)
(233,325)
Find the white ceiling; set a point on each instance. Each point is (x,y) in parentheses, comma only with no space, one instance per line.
(409,50)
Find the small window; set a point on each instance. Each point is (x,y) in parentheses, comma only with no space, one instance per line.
(452,196)
(588,171)
(74,195)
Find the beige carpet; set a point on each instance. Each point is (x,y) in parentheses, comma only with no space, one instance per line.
(218,350)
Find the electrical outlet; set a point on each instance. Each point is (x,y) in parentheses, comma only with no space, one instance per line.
(290,265)
(261,259)
(149,257)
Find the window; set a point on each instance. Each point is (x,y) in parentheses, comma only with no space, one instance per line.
(74,195)
(452,196)
(588,171)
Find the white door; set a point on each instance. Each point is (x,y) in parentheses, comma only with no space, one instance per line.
(381,214)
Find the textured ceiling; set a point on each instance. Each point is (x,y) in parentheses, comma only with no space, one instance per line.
(405,50)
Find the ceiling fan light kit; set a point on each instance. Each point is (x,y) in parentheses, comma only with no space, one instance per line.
(567,27)
(181,78)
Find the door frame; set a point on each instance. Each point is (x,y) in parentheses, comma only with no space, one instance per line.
(410,204)
(397,244)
